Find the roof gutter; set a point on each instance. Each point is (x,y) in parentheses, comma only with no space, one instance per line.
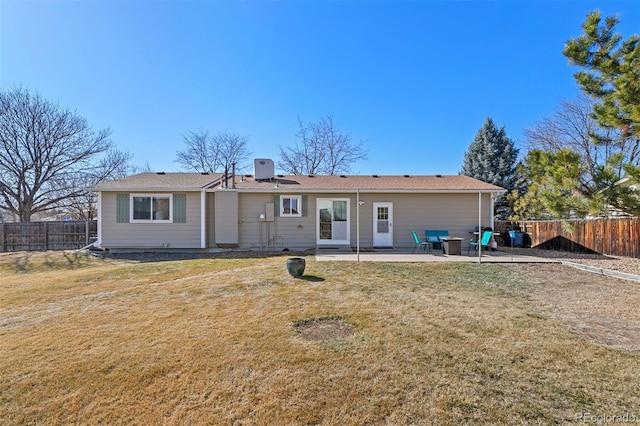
(286,190)
(151,189)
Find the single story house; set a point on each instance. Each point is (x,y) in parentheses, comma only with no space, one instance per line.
(268,212)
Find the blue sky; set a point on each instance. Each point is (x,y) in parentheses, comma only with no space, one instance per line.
(414,80)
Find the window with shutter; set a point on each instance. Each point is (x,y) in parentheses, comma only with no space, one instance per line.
(276,205)
(122,208)
(290,206)
(179,208)
(151,208)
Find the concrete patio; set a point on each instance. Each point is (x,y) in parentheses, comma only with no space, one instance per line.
(406,255)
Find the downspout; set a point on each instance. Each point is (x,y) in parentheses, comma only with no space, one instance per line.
(479,227)
(99,217)
(203,219)
(492,210)
(358,224)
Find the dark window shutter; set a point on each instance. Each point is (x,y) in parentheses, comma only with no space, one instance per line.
(122,208)
(276,205)
(304,207)
(179,208)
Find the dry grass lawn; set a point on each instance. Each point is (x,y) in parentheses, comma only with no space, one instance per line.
(220,341)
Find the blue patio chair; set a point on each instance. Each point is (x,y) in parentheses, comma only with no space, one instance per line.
(426,244)
(484,242)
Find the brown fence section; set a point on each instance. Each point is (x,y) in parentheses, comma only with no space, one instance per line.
(617,237)
(46,235)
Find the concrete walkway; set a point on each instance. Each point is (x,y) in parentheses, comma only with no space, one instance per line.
(400,255)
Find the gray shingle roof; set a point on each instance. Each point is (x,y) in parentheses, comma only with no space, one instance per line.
(196,182)
(369,183)
(160,182)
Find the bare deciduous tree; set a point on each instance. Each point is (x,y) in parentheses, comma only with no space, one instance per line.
(114,164)
(573,127)
(322,149)
(207,152)
(575,164)
(45,151)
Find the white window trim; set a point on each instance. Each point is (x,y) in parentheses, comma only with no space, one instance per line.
(283,214)
(169,220)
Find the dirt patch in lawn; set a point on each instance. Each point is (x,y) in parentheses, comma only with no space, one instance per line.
(600,308)
(323,329)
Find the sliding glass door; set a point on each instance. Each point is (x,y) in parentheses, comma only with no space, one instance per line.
(333,221)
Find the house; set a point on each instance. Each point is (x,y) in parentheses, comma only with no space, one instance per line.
(629,187)
(265,211)
(633,187)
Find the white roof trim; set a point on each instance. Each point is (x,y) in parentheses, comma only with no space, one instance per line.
(154,189)
(353,191)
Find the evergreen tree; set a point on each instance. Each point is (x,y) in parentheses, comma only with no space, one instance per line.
(611,72)
(491,158)
(554,185)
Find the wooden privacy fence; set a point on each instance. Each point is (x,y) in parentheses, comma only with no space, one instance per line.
(34,236)
(617,237)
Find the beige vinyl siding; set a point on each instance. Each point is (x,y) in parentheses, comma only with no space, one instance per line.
(226,217)
(150,235)
(294,233)
(457,213)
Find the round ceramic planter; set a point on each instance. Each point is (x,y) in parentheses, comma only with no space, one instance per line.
(295,266)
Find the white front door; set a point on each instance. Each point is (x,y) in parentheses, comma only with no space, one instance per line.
(383,224)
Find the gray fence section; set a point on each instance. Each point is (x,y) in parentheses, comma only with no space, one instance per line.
(40,236)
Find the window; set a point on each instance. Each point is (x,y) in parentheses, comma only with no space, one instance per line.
(291,205)
(151,208)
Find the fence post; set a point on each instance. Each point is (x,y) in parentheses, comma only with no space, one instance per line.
(86,233)
(4,236)
(46,236)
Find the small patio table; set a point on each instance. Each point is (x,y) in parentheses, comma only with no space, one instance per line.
(452,245)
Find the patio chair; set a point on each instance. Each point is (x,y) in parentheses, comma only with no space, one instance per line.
(484,242)
(426,244)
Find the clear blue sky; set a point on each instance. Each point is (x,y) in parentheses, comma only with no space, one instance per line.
(415,80)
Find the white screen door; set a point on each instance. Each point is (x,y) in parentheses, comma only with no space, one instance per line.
(383,224)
